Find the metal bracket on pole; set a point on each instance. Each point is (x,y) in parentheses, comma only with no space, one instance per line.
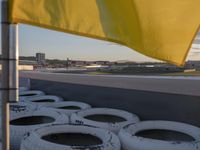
(9,37)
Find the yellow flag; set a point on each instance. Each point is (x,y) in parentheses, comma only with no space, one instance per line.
(162,29)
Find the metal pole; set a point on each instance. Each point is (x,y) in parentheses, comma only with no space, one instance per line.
(13,64)
(5,73)
(9,37)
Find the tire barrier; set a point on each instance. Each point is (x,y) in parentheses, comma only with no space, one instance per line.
(70,137)
(25,95)
(104,118)
(22,107)
(44,99)
(68,107)
(131,141)
(21,124)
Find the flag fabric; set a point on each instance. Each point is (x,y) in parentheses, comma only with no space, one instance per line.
(162,29)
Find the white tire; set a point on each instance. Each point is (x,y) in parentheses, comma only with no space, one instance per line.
(44,99)
(128,118)
(35,141)
(68,107)
(22,107)
(130,141)
(23,88)
(24,95)
(18,128)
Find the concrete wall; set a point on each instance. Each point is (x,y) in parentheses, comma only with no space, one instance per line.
(148,105)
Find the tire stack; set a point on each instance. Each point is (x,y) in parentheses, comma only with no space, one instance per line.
(102,133)
(67,107)
(131,141)
(72,125)
(22,123)
(42,99)
(90,117)
(26,95)
(47,138)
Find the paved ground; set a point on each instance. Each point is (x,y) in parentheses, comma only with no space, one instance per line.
(170,84)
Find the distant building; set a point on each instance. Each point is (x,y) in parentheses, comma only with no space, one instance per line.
(40,58)
(102,62)
(78,63)
(193,64)
(81,63)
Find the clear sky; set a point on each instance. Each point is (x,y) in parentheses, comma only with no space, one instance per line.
(61,45)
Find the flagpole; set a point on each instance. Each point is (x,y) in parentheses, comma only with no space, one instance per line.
(9,37)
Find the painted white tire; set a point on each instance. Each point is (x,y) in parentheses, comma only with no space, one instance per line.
(57,106)
(22,107)
(34,141)
(130,141)
(78,118)
(22,94)
(44,99)
(18,131)
(23,88)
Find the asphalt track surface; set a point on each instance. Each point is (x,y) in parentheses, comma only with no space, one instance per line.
(163,84)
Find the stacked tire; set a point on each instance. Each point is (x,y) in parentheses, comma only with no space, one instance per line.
(67,107)
(66,122)
(131,141)
(124,118)
(23,123)
(42,99)
(25,95)
(46,138)
(22,107)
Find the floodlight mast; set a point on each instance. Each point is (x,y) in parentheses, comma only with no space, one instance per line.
(9,59)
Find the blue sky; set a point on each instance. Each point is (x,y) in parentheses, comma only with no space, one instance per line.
(58,45)
(61,46)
